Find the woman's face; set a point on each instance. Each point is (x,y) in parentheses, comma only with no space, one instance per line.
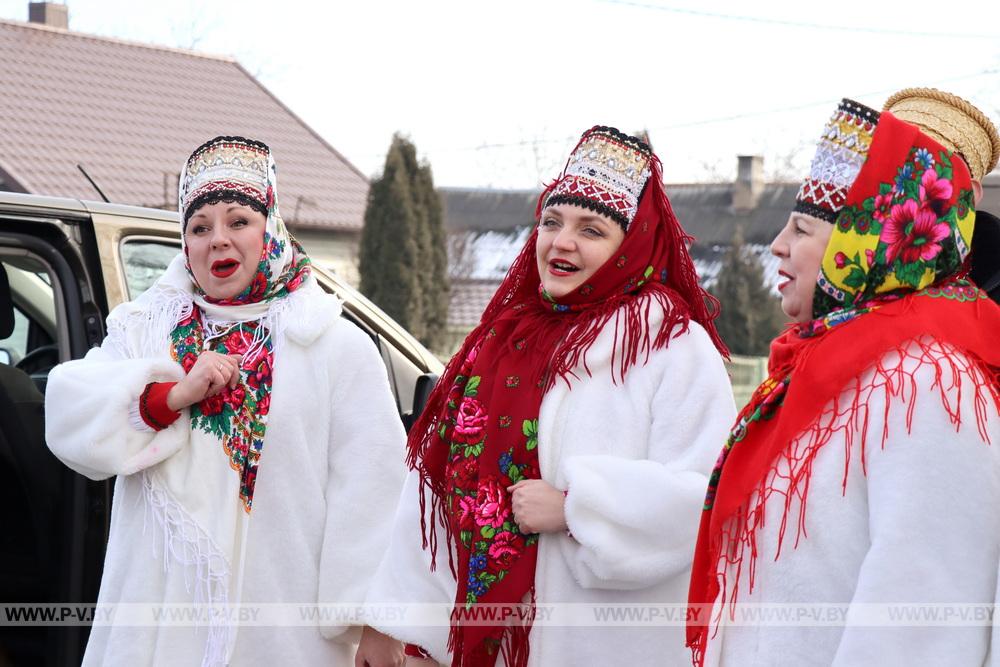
(800,246)
(572,243)
(224,244)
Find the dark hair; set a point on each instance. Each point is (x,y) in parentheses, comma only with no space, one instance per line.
(227,196)
(985,256)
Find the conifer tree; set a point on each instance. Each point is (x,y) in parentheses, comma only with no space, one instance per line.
(751,316)
(389,248)
(404,261)
(437,298)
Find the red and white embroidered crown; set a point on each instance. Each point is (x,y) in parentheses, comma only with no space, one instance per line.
(226,168)
(606,172)
(842,150)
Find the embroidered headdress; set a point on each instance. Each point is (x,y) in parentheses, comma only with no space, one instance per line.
(902,210)
(239,170)
(227,169)
(951,121)
(843,147)
(606,173)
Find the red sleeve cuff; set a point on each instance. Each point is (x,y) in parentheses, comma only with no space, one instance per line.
(153,406)
(415,651)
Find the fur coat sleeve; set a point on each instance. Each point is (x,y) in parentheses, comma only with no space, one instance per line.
(91,413)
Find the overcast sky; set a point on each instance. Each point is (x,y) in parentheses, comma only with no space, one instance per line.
(495,94)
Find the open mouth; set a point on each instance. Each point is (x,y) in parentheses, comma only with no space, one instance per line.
(224,268)
(560,267)
(784,283)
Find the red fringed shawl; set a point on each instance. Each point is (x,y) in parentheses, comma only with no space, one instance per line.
(958,314)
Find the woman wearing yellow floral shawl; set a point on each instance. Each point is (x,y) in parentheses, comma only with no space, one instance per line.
(880,413)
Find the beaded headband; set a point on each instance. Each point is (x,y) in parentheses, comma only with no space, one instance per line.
(842,150)
(951,121)
(226,169)
(605,173)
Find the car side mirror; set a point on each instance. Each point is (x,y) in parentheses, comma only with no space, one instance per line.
(421,393)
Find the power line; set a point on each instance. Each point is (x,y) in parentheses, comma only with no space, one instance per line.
(810,105)
(800,24)
(713,120)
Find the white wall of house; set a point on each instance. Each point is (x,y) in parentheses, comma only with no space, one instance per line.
(337,250)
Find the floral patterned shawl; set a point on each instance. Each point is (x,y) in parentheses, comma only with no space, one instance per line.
(894,271)
(479,431)
(233,169)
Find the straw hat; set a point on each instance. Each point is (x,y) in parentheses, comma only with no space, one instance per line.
(953,122)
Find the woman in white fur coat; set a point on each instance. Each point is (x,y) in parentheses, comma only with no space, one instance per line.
(253,433)
(564,453)
(859,488)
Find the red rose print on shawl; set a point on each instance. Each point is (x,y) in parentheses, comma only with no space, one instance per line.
(470,422)
(493,506)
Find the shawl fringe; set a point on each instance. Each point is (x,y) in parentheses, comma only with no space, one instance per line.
(513,645)
(736,547)
(206,573)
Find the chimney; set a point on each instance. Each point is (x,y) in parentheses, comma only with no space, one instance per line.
(749,182)
(52,14)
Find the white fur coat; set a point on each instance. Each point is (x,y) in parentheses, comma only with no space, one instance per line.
(329,478)
(635,460)
(919,526)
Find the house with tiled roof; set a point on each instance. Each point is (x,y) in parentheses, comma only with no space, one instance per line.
(129,114)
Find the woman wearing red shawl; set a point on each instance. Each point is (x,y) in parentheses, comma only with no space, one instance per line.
(560,457)
(865,471)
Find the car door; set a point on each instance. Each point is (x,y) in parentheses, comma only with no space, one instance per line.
(55,522)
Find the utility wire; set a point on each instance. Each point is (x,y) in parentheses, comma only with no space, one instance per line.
(800,24)
(810,105)
(715,119)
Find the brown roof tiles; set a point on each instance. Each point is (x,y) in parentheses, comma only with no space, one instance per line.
(131,113)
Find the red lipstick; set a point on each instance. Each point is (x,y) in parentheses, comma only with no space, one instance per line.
(224,268)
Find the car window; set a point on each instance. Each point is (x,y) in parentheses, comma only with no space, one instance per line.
(33,303)
(145,261)
(16,344)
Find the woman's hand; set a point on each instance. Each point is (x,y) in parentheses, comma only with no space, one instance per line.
(378,650)
(538,506)
(209,375)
